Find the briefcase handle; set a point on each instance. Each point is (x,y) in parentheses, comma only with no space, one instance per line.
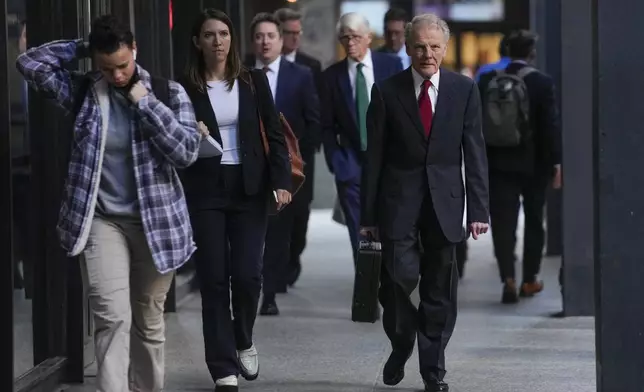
(370,245)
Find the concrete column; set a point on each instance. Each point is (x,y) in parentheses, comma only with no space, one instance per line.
(545,19)
(6,221)
(577,124)
(618,140)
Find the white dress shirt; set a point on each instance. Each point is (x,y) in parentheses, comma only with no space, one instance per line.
(404,57)
(367,71)
(225,104)
(433,89)
(291,56)
(272,73)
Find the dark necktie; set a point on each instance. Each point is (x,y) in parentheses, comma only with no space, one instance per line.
(425,106)
(266,69)
(362,103)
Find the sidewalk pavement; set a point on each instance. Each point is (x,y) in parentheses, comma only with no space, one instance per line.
(314,347)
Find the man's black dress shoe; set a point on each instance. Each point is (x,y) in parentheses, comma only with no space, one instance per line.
(394,370)
(436,386)
(269,308)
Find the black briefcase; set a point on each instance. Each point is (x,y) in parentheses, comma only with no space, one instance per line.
(367,281)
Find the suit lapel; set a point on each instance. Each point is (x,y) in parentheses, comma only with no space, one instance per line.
(379,72)
(407,97)
(441,113)
(345,87)
(247,107)
(204,109)
(282,82)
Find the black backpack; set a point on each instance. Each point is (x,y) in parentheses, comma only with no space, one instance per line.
(506,115)
(160,88)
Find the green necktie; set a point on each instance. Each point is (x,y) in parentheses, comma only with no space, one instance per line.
(362,102)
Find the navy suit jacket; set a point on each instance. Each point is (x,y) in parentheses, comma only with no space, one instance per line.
(340,132)
(296,97)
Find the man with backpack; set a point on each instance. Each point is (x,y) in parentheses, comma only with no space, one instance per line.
(123,207)
(521,127)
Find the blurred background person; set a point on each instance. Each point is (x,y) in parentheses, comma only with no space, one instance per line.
(395,21)
(520,173)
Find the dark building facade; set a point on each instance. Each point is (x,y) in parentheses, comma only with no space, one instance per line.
(46,329)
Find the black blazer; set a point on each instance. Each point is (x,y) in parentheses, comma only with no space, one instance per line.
(260,174)
(309,61)
(538,155)
(402,165)
(297,99)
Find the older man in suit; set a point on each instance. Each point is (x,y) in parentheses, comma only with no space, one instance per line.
(295,96)
(423,123)
(344,115)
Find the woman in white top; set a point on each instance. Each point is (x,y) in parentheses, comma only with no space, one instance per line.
(228,195)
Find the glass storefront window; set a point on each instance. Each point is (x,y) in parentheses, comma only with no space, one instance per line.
(23,276)
(463,10)
(18,112)
(478,49)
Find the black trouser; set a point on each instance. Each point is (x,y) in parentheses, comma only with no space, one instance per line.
(277,251)
(302,210)
(230,242)
(301,213)
(433,322)
(506,189)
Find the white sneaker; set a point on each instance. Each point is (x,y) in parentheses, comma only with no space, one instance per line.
(227,384)
(249,363)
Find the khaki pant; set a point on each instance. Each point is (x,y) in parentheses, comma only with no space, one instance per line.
(127,297)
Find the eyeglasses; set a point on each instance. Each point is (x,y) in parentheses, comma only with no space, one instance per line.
(349,38)
(292,32)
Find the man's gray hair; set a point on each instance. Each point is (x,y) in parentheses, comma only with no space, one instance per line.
(431,20)
(287,14)
(353,21)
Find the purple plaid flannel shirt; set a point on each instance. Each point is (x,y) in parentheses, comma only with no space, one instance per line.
(163,139)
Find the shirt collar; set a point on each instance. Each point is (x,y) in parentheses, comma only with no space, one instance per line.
(418,79)
(273,67)
(367,61)
(403,51)
(519,62)
(291,56)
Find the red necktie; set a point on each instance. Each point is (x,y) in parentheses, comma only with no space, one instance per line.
(425,106)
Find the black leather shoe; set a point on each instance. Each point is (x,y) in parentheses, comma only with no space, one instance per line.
(269,308)
(394,370)
(436,386)
(294,273)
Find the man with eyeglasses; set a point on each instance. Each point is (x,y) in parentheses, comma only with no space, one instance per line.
(344,113)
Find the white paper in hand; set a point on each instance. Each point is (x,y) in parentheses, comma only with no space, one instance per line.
(210,148)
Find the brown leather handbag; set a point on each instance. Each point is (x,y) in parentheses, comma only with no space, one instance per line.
(294,155)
